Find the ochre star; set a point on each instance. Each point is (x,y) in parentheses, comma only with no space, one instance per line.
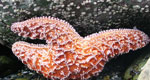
(67,55)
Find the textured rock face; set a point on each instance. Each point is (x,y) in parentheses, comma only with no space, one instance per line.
(86,16)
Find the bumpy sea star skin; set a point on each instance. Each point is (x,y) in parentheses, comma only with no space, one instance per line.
(67,55)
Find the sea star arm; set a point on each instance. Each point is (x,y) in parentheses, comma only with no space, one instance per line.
(41,58)
(47,28)
(36,57)
(96,49)
(116,41)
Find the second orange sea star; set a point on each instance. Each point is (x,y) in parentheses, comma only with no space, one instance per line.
(67,55)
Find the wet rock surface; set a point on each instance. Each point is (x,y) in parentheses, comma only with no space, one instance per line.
(24,74)
(133,70)
(145,73)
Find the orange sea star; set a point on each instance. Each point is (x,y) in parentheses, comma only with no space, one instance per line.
(67,55)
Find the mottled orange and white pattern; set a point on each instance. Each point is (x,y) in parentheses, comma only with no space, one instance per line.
(67,55)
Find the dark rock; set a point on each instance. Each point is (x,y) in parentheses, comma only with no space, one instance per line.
(135,68)
(8,63)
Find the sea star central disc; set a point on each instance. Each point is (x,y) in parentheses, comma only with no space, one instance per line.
(67,55)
